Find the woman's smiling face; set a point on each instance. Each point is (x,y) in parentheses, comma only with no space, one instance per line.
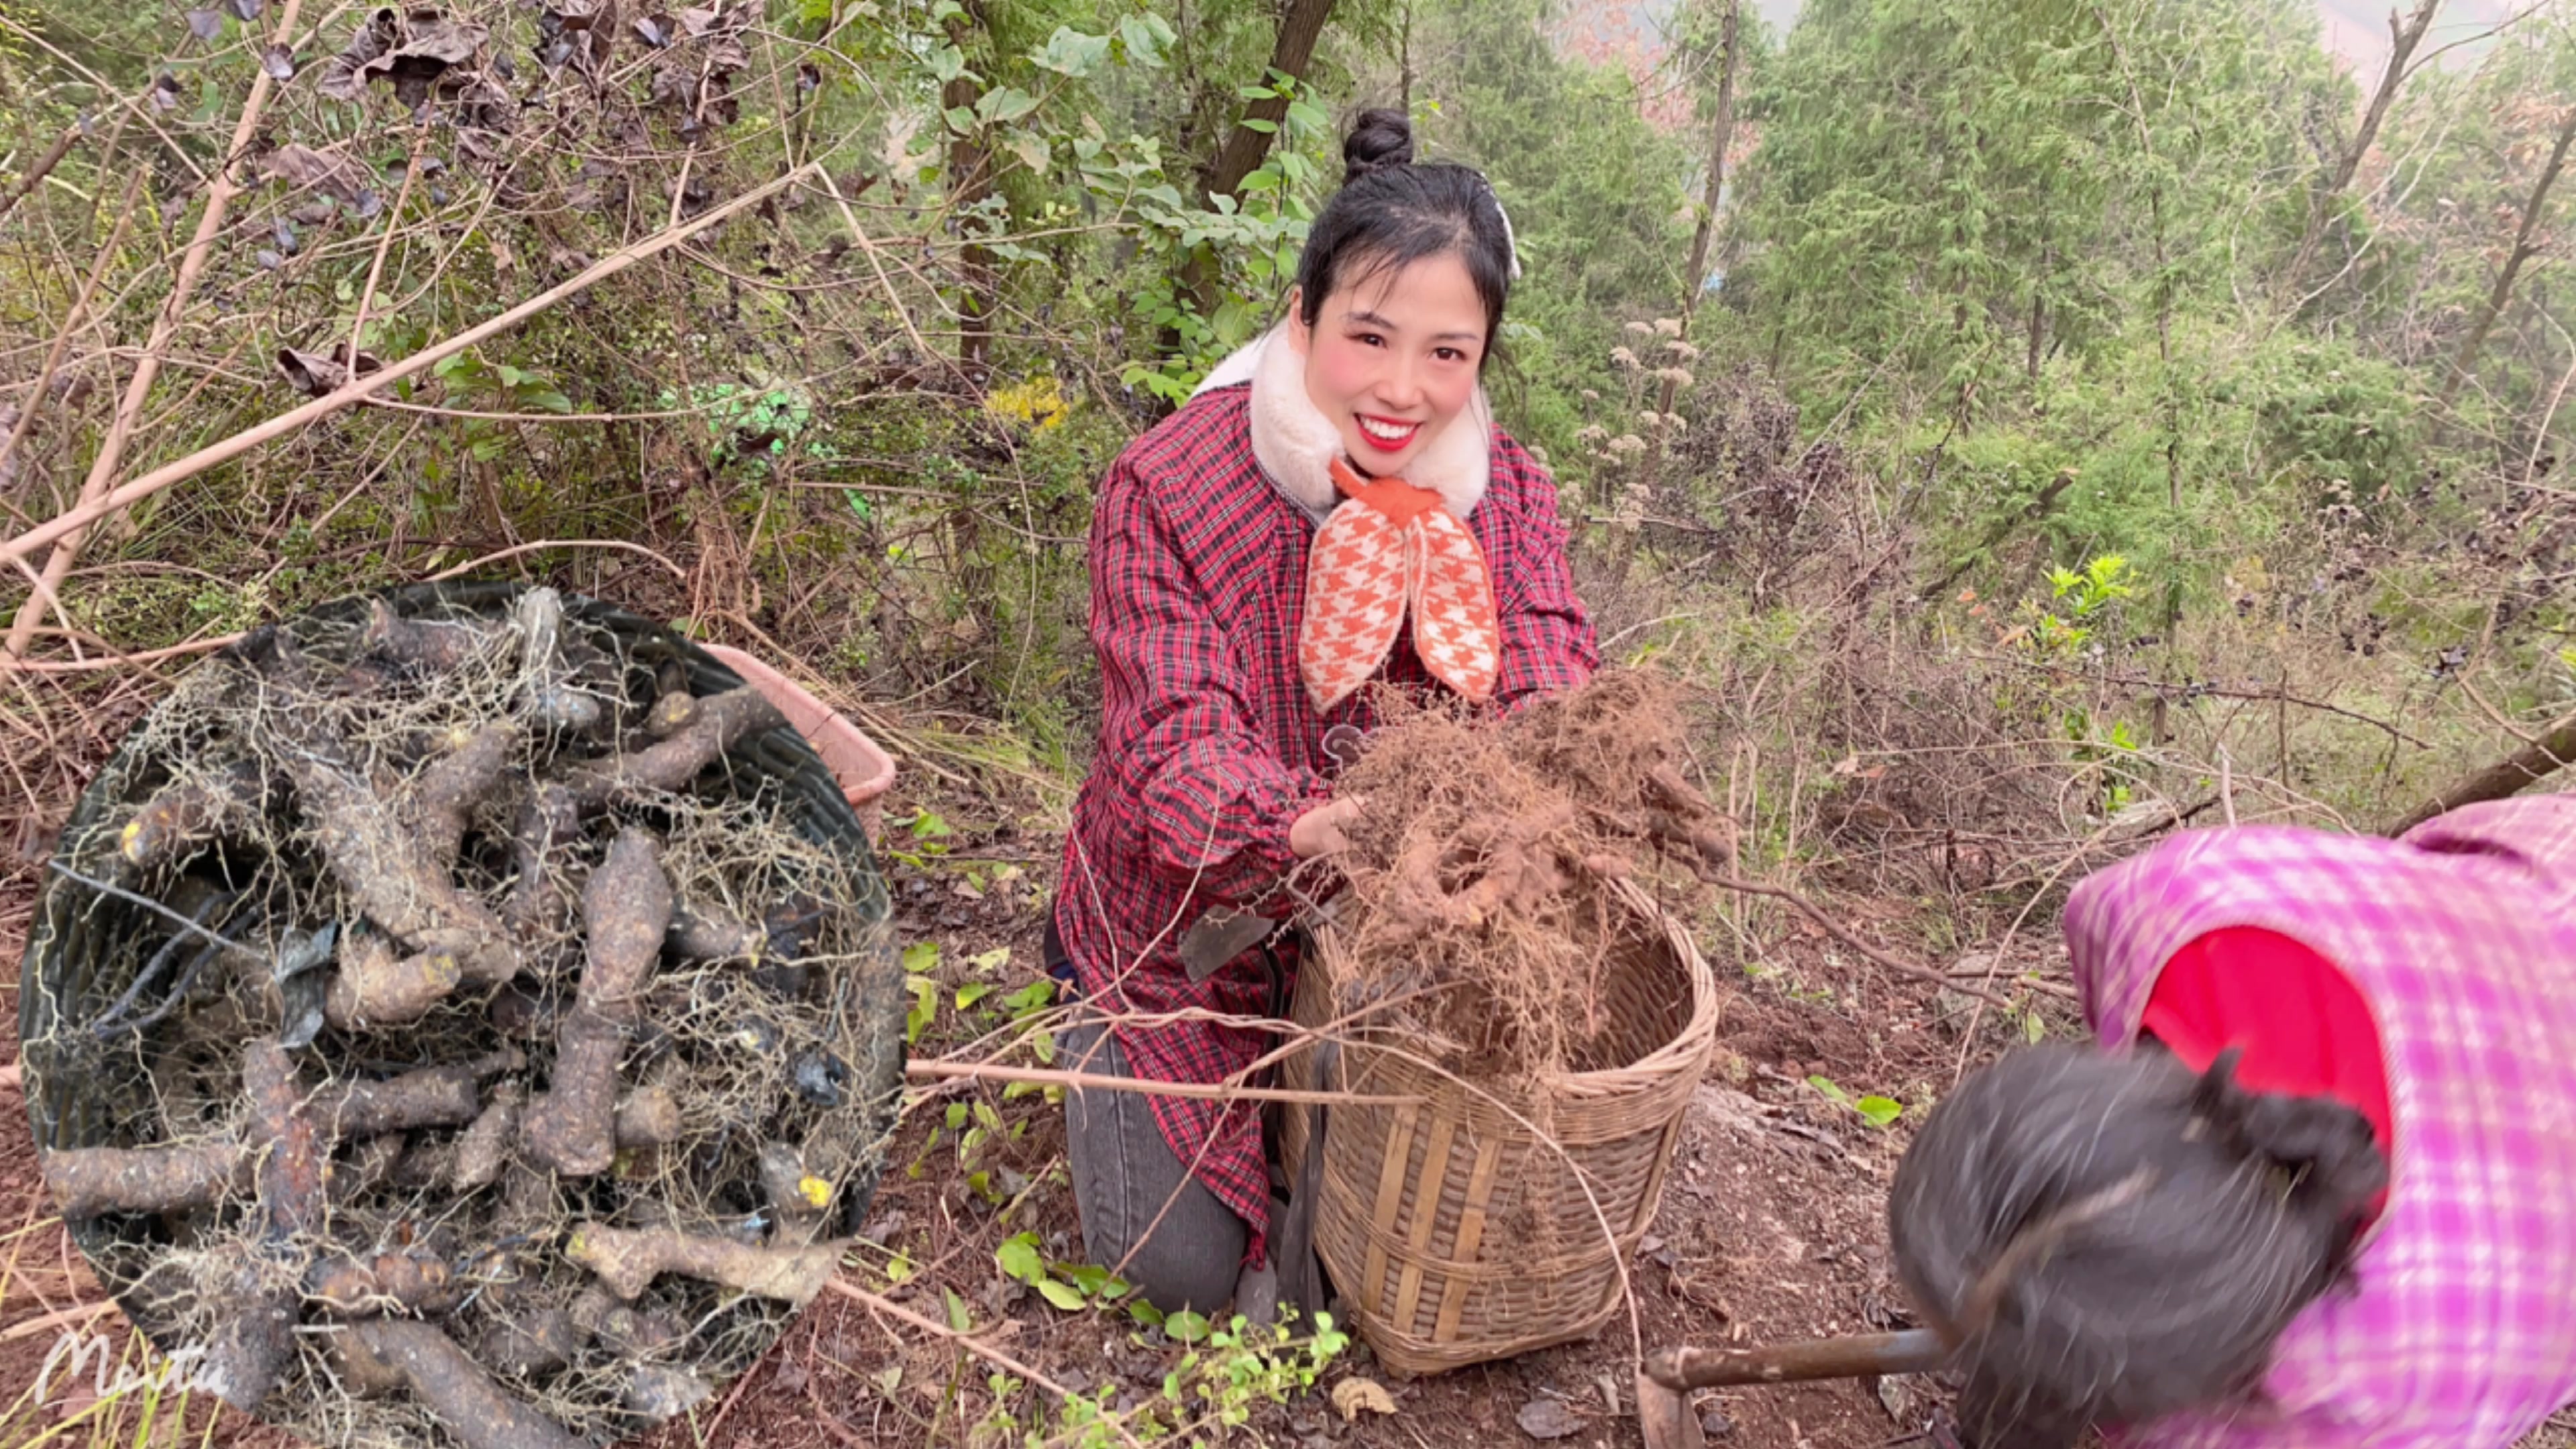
(1392,357)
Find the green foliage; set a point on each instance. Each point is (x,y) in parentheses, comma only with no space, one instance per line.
(1228,1373)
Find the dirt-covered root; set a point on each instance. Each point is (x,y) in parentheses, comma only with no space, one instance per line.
(798,1200)
(430,1097)
(1484,869)
(659,1391)
(411,1281)
(626,912)
(378,986)
(648,1117)
(442,800)
(256,1339)
(630,1331)
(550,698)
(370,1165)
(710,933)
(531,1345)
(483,1149)
(480,1413)
(88,1181)
(718,723)
(628,1260)
(191,813)
(548,821)
(429,646)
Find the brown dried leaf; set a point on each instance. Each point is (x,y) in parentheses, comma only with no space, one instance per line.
(313,374)
(328,172)
(1548,1419)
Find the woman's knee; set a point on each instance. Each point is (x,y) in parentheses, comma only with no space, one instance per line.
(1143,1214)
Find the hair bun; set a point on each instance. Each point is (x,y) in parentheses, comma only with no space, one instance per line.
(1378,139)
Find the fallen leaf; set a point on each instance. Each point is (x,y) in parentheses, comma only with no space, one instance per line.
(279,62)
(1355,1397)
(1548,1419)
(205,24)
(327,172)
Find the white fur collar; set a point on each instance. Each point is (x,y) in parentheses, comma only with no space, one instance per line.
(1297,444)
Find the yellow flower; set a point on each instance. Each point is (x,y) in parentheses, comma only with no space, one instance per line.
(1037,402)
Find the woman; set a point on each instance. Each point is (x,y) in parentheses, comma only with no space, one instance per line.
(1336,506)
(2318,1191)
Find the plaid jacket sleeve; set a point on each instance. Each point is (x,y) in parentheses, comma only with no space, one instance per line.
(1548,642)
(1208,799)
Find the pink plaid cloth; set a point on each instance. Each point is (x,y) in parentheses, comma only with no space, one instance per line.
(2462,937)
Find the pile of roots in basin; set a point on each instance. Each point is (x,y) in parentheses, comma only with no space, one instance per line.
(499,1059)
(1480,869)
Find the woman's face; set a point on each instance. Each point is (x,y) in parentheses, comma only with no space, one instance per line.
(1392,357)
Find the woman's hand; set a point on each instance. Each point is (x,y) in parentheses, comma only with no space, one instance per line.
(1325,830)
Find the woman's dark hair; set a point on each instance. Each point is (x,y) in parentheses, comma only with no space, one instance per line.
(1391,212)
(2112,1238)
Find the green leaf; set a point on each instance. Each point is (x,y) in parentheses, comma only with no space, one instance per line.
(1880,1111)
(921,956)
(1146,36)
(1255,123)
(970,994)
(1144,1312)
(961,119)
(899,1268)
(1070,52)
(1030,148)
(985,1113)
(2033,1029)
(547,400)
(1062,1295)
(1004,104)
(1089,1277)
(1186,1326)
(929,826)
(1309,116)
(957,1318)
(1831,1089)
(947,63)
(956,1115)
(1019,1259)
(986,962)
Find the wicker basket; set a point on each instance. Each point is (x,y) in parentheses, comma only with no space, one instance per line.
(1453,1234)
(82,949)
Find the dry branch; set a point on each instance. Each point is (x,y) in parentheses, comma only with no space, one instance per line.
(220,191)
(2505,778)
(70,523)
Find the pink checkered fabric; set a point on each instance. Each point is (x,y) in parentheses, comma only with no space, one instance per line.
(2462,937)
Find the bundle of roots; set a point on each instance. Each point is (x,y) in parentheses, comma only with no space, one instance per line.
(487,1075)
(1478,909)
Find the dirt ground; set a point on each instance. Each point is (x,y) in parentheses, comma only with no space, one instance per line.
(1770,1229)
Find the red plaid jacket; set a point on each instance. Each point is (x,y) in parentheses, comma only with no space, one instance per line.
(1209,747)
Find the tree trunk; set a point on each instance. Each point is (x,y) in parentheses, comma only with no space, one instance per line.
(1404,63)
(2404,35)
(1721,135)
(2524,249)
(970,180)
(1299,28)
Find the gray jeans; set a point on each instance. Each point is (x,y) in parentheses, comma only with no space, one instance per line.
(1140,1207)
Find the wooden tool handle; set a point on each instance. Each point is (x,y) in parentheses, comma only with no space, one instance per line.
(1914,1351)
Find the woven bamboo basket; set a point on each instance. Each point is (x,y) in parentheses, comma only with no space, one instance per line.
(1451,1231)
